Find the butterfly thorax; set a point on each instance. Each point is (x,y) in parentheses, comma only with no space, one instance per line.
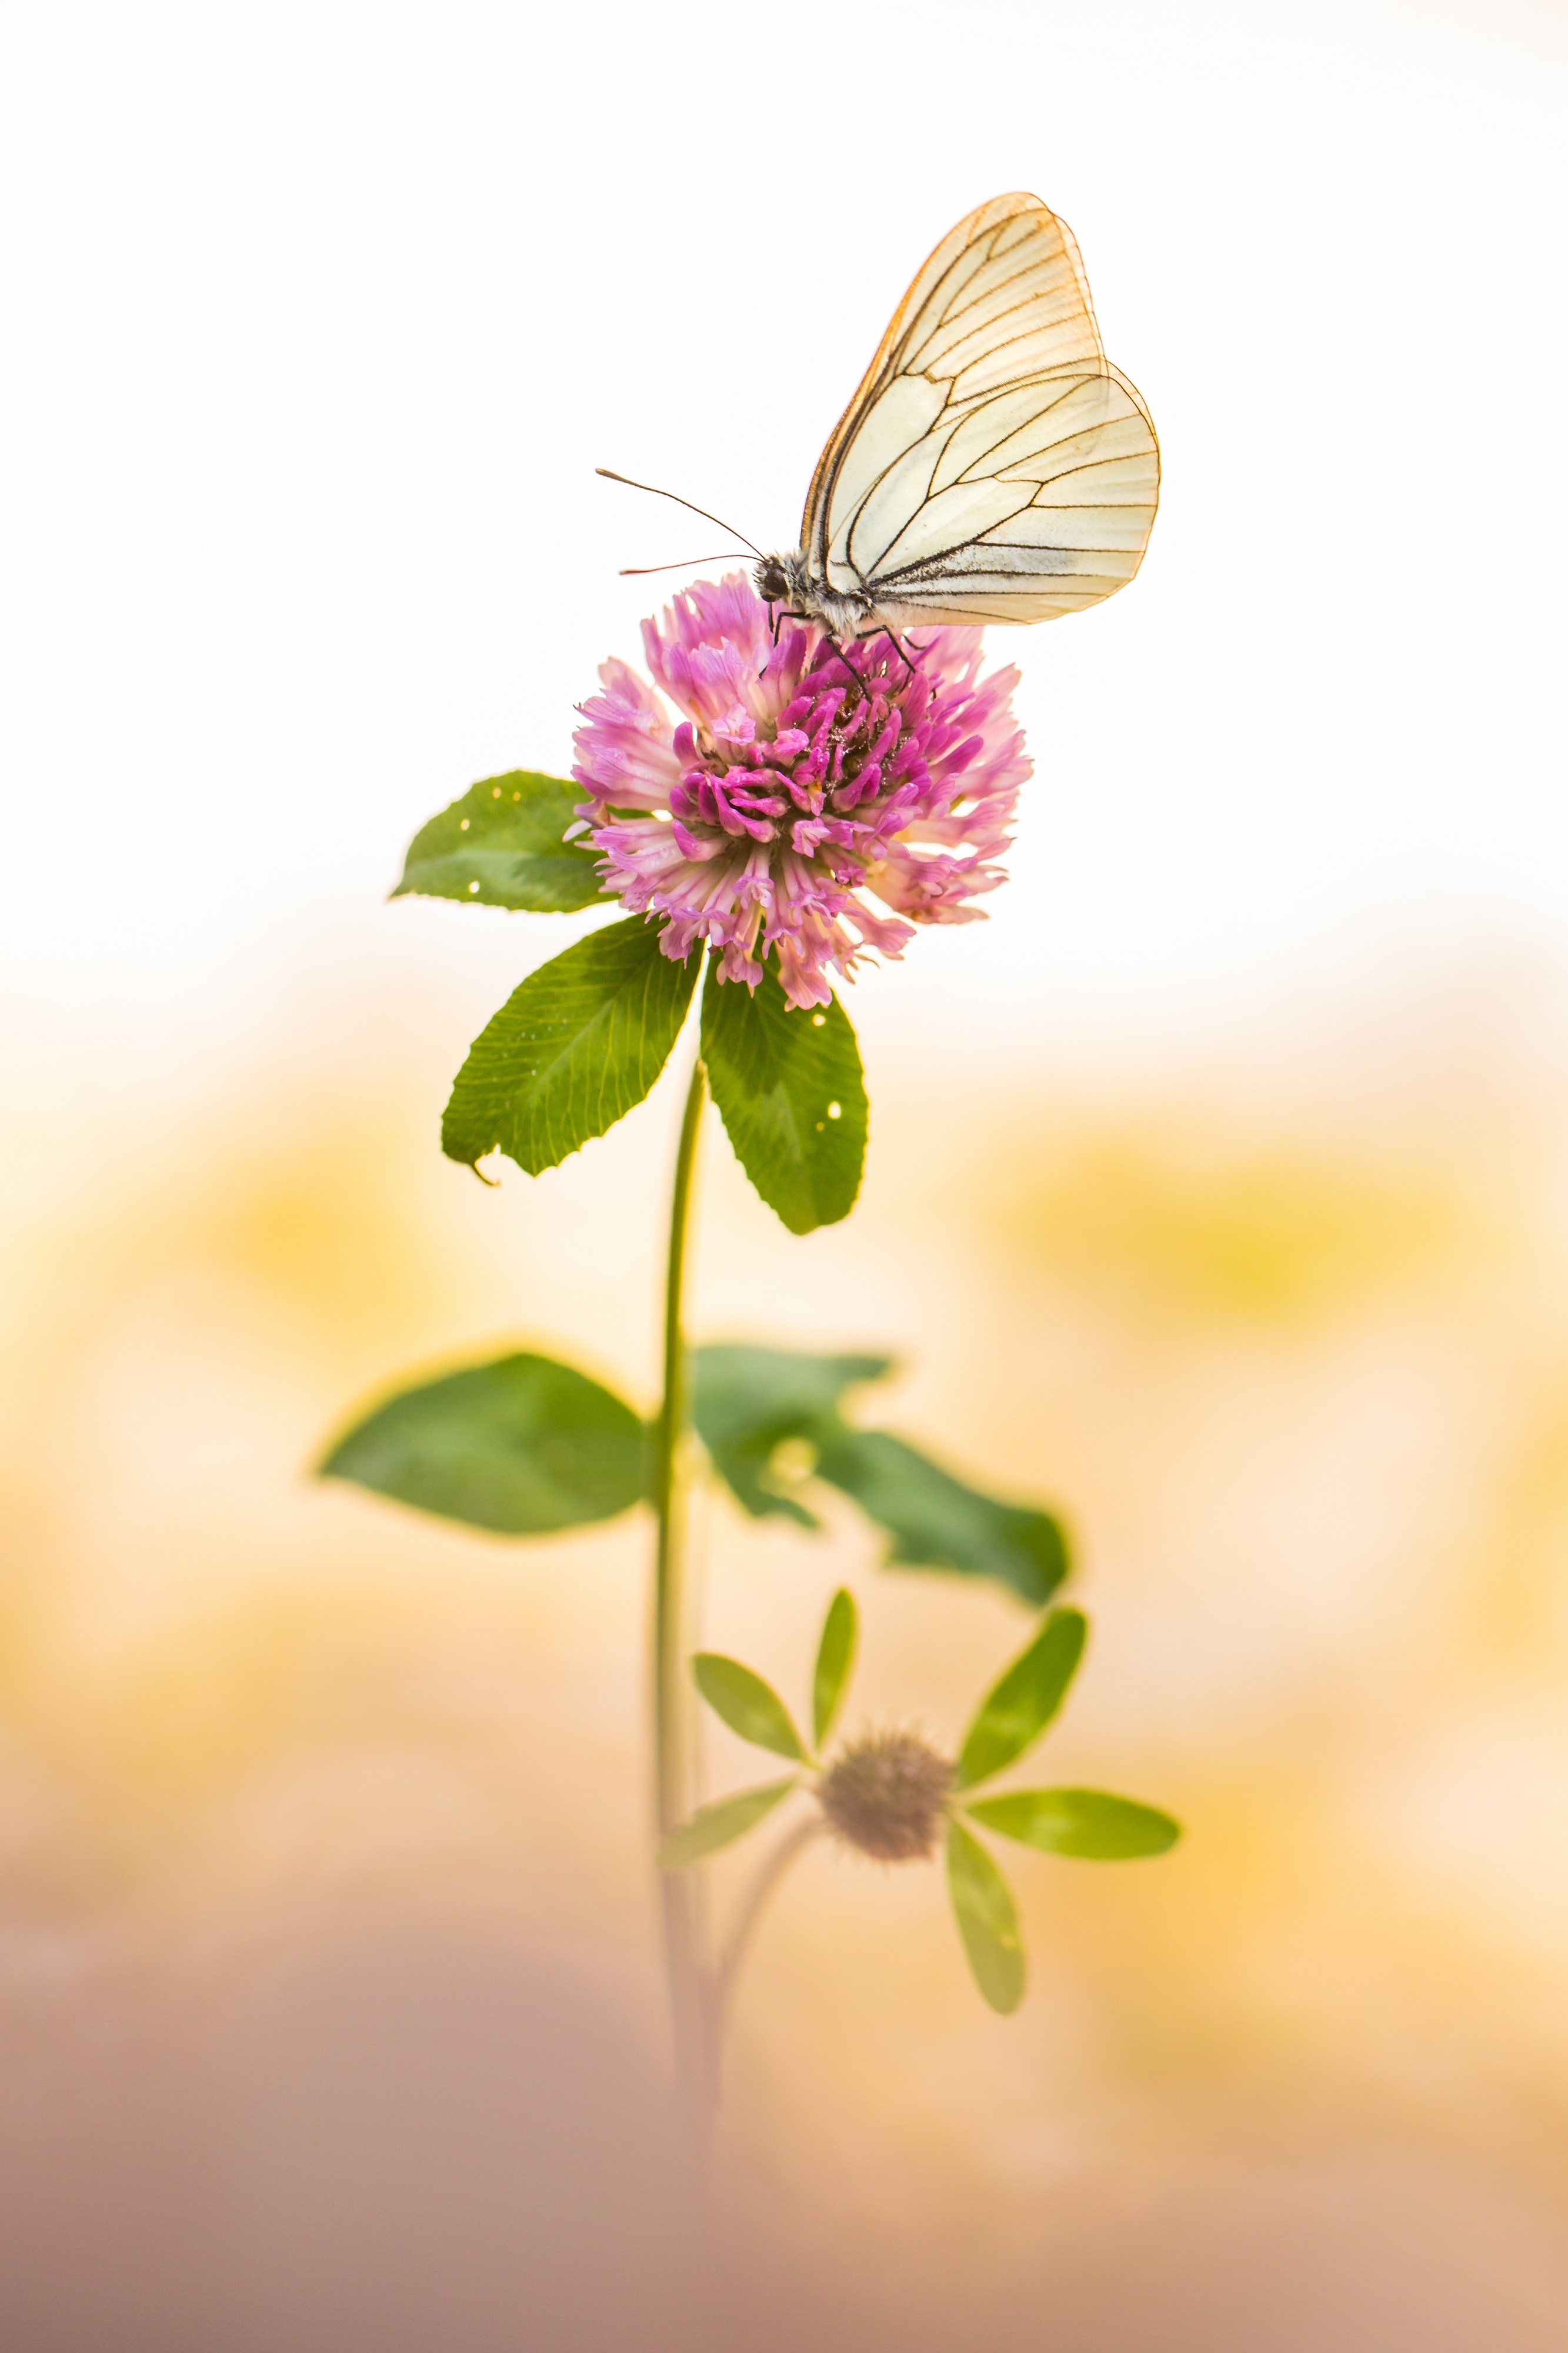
(789,580)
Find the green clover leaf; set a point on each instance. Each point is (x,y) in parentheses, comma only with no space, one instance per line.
(722,1823)
(987,1921)
(1017,1708)
(835,1664)
(503,845)
(1086,1822)
(747,1704)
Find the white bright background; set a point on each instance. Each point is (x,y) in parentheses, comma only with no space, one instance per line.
(318,319)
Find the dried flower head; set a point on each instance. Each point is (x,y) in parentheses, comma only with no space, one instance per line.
(799,777)
(887,1794)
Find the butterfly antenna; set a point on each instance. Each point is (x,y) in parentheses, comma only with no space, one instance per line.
(639,570)
(611,476)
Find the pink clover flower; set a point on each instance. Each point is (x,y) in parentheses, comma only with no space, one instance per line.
(794,781)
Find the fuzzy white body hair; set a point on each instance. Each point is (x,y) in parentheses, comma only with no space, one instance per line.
(789,580)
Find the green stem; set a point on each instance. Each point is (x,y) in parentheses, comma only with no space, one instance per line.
(755,1901)
(686,1968)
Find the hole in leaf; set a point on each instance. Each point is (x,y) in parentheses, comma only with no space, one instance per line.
(472,888)
(835,1111)
(819,1020)
(793,1460)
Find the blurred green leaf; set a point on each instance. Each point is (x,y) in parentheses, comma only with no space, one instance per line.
(788,1086)
(722,1823)
(1086,1822)
(572,1050)
(987,1920)
(1017,1708)
(747,1704)
(936,1522)
(835,1662)
(747,1401)
(522,1446)
(1081,1823)
(501,845)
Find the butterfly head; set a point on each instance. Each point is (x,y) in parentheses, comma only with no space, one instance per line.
(770,574)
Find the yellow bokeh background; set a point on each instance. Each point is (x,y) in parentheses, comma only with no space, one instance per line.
(1285,1333)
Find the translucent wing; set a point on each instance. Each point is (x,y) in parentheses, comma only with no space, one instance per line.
(992,465)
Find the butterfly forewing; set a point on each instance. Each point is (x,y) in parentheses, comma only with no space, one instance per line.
(993,466)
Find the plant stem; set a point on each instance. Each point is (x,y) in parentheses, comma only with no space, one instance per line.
(752,1905)
(686,1968)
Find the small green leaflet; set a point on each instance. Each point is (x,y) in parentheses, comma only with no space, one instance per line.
(788,1086)
(501,845)
(937,1522)
(747,1401)
(1018,1707)
(987,1921)
(722,1823)
(835,1664)
(747,1704)
(572,1050)
(522,1446)
(1086,1822)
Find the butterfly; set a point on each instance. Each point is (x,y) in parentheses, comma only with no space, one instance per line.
(992,465)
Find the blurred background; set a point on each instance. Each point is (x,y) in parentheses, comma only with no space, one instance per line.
(1218,1191)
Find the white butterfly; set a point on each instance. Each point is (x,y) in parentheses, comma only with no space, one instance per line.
(992,465)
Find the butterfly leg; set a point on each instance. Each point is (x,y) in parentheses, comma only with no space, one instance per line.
(782,613)
(886,629)
(909,662)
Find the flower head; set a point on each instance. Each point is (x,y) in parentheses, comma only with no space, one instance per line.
(799,780)
(892,1795)
(887,1793)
